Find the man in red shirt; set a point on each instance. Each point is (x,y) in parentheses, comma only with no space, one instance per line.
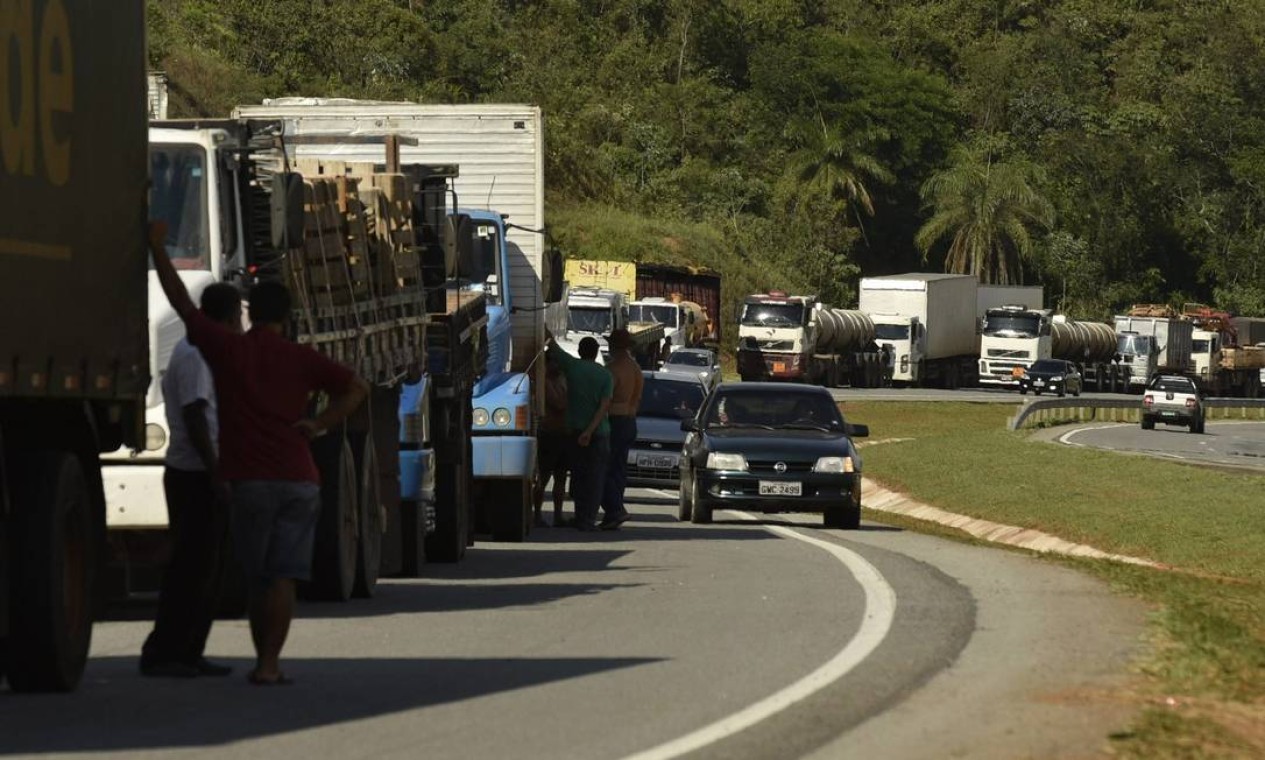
(264,383)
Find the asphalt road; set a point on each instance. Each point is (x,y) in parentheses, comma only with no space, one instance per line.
(743,639)
(1236,444)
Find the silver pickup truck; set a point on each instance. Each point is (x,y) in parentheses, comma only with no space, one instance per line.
(1172,400)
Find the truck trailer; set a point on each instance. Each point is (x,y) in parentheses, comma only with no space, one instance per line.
(929,321)
(499,149)
(75,369)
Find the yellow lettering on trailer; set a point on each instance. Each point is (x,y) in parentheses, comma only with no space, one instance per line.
(48,75)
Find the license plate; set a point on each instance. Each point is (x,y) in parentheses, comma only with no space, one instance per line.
(656,462)
(1168,414)
(779,367)
(1039,382)
(780,488)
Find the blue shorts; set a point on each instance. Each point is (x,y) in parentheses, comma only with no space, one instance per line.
(274,528)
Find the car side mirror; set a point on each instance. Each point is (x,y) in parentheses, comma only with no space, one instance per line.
(857,431)
(690,425)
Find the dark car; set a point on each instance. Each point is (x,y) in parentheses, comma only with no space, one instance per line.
(770,447)
(666,398)
(1053,375)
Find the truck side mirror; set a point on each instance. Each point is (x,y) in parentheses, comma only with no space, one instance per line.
(287,211)
(555,272)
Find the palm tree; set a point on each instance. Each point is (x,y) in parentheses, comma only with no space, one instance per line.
(986,212)
(837,165)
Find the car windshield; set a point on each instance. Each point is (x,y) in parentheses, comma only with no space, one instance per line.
(739,408)
(1048,365)
(664,314)
(773,315)
(689,359)
(179,198)
(589,319)
(1174,384)
(673,399)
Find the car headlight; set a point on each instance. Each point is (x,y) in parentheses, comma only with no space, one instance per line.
(480,417)
(733,462)
(1056,379)
(835,465)
(155,437)
(501,417)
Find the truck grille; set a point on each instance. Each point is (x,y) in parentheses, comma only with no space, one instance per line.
(768,467)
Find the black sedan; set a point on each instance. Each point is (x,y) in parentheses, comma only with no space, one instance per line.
(770,447)
(1053,375)
(654,461)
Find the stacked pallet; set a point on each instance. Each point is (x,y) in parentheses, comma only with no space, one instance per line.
(1243,357)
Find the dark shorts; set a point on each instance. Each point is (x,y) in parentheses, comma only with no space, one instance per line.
(274,527)
(551,453)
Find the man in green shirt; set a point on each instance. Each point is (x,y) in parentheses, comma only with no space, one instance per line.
(589,389)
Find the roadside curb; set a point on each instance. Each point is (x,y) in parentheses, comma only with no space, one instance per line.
(876,497)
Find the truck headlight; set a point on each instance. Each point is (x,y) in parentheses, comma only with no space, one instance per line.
(480,417)
(155,437)
(731,462)
(501,417)
(834,465)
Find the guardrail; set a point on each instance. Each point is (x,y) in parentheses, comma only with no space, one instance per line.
(1055,411)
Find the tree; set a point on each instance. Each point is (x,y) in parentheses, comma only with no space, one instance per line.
(839,166)
(986,211)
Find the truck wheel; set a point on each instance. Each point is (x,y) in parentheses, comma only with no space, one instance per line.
(372,522)
(685,507)
(509,507)
(51,551)
(334,556)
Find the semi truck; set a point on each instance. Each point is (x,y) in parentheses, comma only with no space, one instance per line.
(684,322)
(1223,362)
(1014,336)
(800,339)
(929,322)
(372,258)
(500,190)
(74,372)
(694,284)
(1151,339)
(595,312)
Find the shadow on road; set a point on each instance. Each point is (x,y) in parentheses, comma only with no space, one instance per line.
(116,710)
(814,525)
(407,597)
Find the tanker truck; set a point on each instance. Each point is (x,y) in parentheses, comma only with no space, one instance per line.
(799,339)
(1014,337)
(1091,346)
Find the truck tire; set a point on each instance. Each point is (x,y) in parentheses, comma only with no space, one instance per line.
(372,522)
(509,508)
(334,556)
(51,555)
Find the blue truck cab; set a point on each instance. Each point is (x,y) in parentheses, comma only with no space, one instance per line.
(503,421)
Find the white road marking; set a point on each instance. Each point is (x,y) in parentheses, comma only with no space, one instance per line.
(1066,438)
(880,611)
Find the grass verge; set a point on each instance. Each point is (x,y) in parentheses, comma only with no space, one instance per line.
(1203,690)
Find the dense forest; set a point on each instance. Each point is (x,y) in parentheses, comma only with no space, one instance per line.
(1111,150)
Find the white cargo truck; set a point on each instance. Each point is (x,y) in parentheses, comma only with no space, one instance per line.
(1149,343)
(929,321)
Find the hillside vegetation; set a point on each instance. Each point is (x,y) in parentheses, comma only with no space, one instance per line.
(1114,152)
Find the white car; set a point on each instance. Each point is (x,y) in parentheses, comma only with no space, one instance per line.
(701,362)
(1172,400)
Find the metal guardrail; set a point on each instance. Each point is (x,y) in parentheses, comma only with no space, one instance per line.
(1060,410)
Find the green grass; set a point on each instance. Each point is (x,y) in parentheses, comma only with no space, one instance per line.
(1208,650)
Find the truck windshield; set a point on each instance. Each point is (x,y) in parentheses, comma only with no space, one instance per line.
(483,264)
(662,313)
(1201,346)
(590,319)
(179,198)
(1013,325)
(891,332)
(772,315)
(1138,345)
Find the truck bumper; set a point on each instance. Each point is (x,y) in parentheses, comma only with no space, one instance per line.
(756,364)
(134,496)
(502,457)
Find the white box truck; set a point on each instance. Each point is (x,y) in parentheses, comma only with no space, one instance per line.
(929,322)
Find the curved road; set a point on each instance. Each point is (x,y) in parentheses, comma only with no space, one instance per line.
(743,639)
(1237,444)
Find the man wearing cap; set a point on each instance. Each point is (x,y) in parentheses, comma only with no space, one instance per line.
(625,400)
